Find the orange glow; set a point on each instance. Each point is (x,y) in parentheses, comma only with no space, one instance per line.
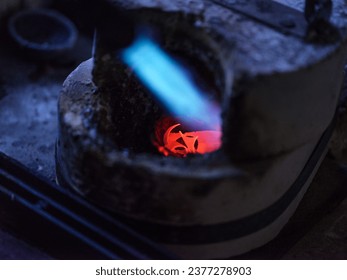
(174,141)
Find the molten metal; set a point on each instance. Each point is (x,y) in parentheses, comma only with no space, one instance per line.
(176,142)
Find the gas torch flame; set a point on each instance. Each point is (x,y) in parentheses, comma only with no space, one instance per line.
(171,84)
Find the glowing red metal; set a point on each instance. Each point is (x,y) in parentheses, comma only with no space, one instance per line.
(177,143)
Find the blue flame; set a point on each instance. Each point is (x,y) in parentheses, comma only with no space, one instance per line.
(170,83)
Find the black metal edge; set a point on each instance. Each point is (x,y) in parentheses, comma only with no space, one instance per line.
(275,15)
(207,234)
(62,224)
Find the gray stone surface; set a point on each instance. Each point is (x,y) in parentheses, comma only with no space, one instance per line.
(28,106)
